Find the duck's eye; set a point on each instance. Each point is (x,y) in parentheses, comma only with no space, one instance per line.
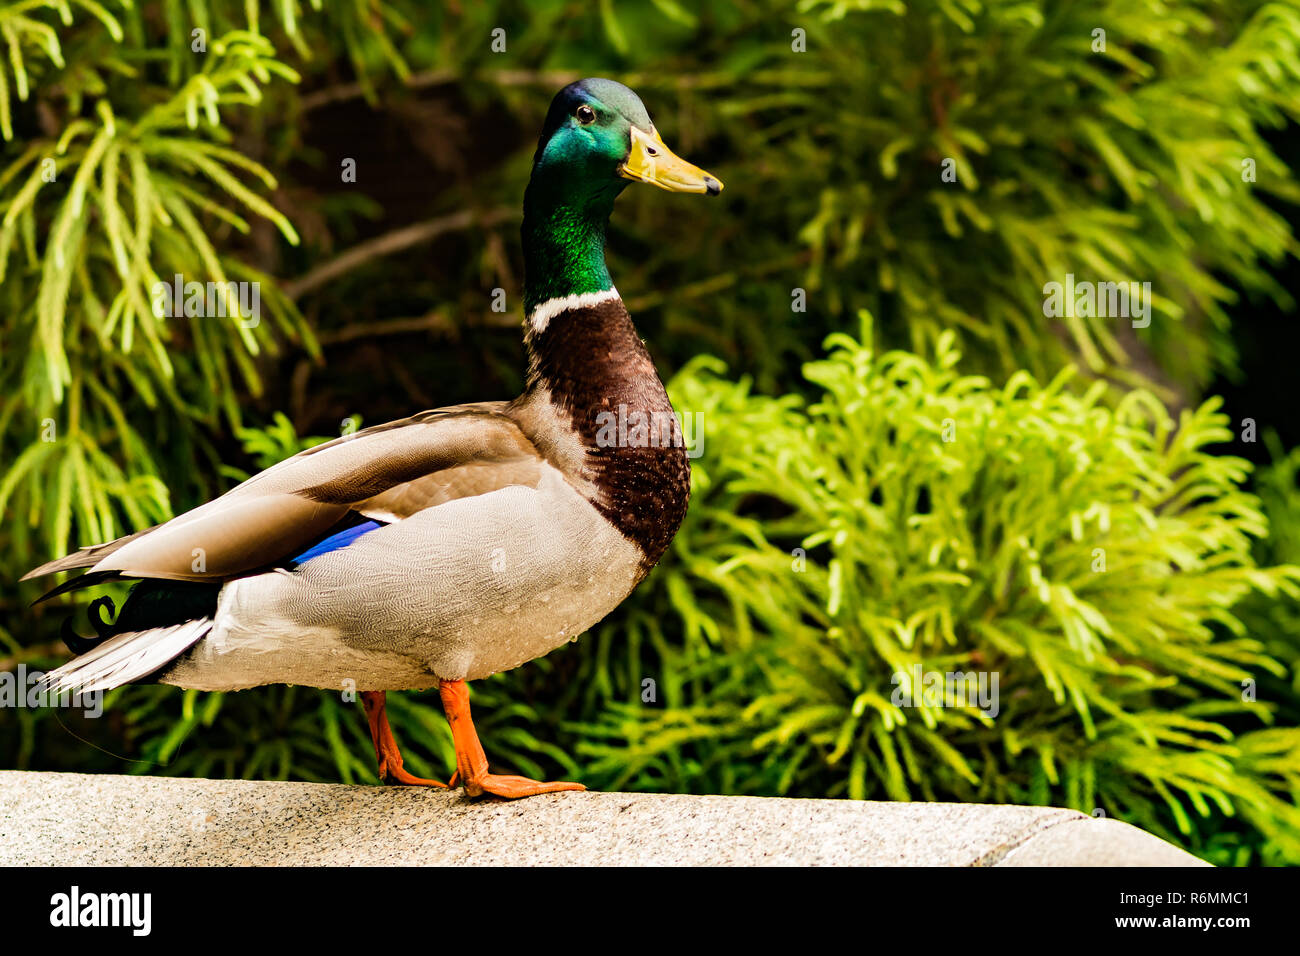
(585,114)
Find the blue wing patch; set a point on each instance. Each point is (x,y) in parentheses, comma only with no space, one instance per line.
(340,539)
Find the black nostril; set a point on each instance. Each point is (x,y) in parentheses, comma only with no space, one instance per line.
(712,185)
(652,151)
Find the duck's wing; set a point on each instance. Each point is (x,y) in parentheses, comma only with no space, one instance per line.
(386,473)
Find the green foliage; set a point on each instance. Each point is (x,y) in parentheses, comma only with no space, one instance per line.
(94,215)
(1109,157)
(1277,622)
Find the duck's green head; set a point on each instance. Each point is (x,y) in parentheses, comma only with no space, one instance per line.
(598,137)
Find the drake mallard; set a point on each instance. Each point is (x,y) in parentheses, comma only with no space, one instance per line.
(453,544)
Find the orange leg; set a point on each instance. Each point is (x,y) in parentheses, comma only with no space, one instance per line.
(471,762)
(386,752)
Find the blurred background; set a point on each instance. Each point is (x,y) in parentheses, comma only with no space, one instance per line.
(906,461)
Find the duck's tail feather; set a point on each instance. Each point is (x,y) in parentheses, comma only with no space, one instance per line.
(126,657)
(85,557)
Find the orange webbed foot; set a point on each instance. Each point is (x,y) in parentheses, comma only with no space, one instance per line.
(399,777)
(471,762)
(512,788)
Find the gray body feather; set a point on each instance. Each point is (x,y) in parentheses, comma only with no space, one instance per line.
(487,583)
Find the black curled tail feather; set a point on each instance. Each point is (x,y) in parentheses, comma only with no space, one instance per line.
(151,604)
(103,627)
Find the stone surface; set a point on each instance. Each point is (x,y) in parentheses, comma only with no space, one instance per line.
(76,819)
(1098,843)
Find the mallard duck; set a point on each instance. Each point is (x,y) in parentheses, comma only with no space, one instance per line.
(453,544)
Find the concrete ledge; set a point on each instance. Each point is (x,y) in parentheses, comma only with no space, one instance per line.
(86,820)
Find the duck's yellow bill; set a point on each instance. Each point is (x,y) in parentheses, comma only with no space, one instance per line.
(650,161)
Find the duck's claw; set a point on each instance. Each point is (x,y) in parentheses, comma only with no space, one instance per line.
(512,788)
(400,777)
